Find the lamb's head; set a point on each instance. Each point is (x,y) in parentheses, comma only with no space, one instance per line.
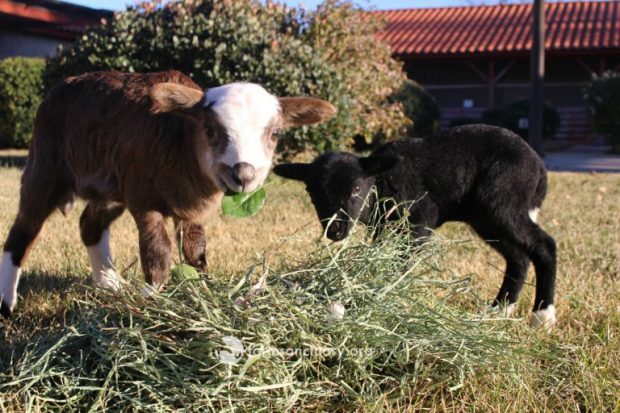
(338,184)
(241,123)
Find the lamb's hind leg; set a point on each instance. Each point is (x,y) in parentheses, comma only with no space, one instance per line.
(95,224)
(39,197)
(541,249)
(544,256)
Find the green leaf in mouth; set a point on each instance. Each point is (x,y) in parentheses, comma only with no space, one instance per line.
(243,204)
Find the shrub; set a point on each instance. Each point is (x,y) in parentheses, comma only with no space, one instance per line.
(420,107)
(331,53)
(603,99)
(508,117)
(20,95)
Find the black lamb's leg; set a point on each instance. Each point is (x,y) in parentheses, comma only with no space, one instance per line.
(517,263)
(544,256)
(540,247)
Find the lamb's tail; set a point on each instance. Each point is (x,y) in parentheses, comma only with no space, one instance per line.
(539,193)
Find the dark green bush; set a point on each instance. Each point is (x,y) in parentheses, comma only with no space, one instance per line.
(508,117)
(420,107)
(603,99)
(20,96)
(331,53)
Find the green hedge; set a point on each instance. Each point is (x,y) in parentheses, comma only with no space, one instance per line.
(20,96)
(331,52)
(420,107)
(508,116)
(603,99)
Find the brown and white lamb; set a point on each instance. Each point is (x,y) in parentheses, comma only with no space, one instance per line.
(156,144)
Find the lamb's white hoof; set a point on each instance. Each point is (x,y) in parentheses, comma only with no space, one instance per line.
(107,278)
(543,318)
(505,310)
(509,310)
(9,278)
(148,291)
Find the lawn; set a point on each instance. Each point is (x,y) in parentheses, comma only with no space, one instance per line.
(581,211)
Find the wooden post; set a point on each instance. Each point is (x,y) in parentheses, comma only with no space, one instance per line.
(537,75)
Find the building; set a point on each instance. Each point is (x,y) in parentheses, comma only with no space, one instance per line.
(474,58)
(35,28)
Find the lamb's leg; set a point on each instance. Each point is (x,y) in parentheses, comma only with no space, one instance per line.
(193,241)
(40,195)
(517,263)
(544,256)
(21,237)
(515,275)
(95,224)
(155,247)
(541,249)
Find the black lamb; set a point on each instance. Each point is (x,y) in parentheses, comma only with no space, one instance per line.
(485,176)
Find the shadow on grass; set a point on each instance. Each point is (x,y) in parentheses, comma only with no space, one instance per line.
(33,283)
(16,160)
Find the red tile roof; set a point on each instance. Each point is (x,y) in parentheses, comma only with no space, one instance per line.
(50,17)
(505,29)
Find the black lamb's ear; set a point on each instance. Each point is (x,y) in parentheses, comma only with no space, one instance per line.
(296,171)
(376,164)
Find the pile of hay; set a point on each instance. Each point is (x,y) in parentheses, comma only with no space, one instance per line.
(359,323)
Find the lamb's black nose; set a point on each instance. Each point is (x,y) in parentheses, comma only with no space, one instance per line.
(243,173)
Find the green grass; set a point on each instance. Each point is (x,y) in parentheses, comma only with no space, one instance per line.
(580,372)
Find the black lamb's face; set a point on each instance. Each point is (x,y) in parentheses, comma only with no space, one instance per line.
(337,187)
(338,184)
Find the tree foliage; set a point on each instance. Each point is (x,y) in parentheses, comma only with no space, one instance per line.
(331,52)
(603,99)
(420,107)
(20,96)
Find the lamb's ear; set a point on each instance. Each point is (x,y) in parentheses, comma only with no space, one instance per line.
(376,164)
(173,97)
(296,171)
(299,111)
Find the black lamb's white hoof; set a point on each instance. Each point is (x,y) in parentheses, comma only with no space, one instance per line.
(506,310)
(5,310)
(544,318)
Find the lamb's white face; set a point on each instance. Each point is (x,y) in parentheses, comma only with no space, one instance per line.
(240,122)
(248,116)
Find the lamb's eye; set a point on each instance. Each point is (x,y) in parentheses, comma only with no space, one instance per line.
(356,189)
